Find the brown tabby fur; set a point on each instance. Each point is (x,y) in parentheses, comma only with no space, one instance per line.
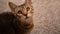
(19,20)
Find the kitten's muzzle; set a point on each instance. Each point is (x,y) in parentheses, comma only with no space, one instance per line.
(26,16)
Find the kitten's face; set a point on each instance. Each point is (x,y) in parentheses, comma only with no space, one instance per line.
(22,11)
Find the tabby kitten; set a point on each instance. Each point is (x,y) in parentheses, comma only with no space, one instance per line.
(19,20)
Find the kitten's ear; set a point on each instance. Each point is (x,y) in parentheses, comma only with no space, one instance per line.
(12,6)
(28,2)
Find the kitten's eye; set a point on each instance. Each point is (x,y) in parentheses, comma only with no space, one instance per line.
(28,8)
(19,12)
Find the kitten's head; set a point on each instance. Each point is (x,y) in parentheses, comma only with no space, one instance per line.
(22,11)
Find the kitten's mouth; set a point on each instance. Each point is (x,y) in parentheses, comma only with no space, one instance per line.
(27,17)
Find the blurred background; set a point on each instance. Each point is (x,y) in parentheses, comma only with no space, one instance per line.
(46,15)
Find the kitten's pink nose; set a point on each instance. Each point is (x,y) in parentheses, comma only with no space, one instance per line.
(25,13)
